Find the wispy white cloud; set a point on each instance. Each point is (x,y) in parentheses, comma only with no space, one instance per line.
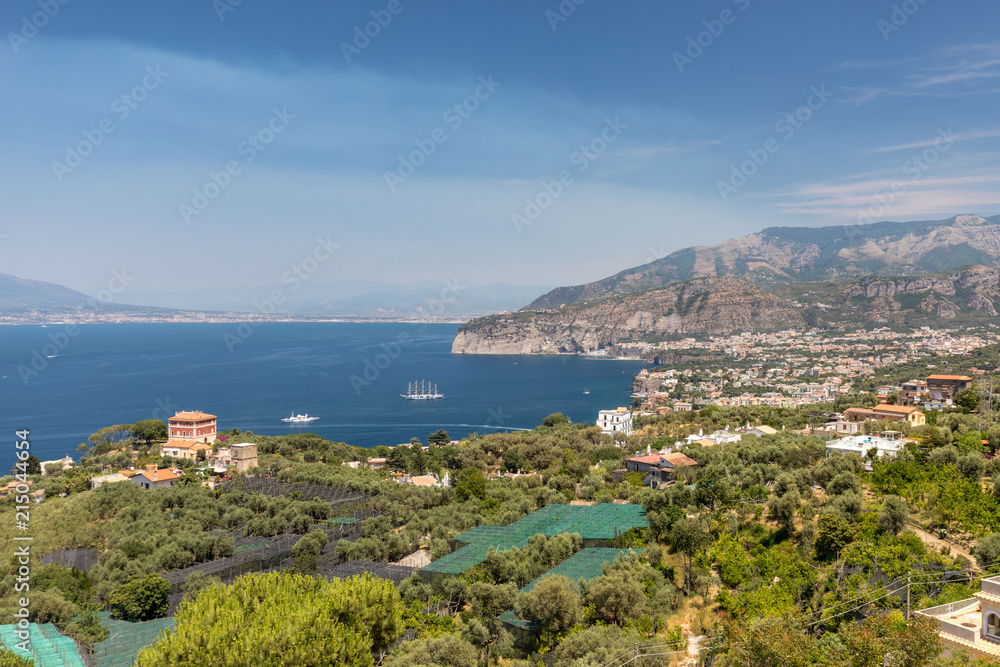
(925,143)
(673,148)
(894,196)
(954,72)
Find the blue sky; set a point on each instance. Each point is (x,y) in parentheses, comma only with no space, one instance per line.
(653,134)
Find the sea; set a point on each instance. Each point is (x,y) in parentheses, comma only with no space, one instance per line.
(64,382)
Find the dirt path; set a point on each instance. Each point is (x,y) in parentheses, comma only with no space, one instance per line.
(938,543)
(694,645)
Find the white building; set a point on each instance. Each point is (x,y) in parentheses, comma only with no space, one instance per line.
(695,437)
(66,462)
(862,444)
(157,478)
(724,437)
(615,421)
(720,437)
(971,625)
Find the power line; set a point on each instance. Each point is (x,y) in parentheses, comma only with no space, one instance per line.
(828,618)
(933,578)
(626,660)
(644,648)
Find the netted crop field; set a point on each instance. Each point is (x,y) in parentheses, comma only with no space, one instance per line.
(584,565)
(253,553)
(126,640)
(252,558)
(344,501)
(598,525)
(48,647)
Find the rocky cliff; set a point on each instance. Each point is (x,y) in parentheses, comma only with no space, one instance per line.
(967,292)
(728,305)
(703,306)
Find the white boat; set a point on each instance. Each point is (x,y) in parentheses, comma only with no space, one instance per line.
(299,419)
(419,392)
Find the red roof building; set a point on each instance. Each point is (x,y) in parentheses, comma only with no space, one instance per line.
(660,469)
(192,425)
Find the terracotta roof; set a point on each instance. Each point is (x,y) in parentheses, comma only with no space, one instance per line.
(423,480)
(903,409)
(678,459)
(649,458)
(185,444)
(949,377)
(989,597)
(979,645)
(164,475)
(195,415)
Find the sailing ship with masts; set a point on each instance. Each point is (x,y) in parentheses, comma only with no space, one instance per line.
(421,391)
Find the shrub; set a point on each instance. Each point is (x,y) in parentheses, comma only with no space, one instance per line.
(141,599)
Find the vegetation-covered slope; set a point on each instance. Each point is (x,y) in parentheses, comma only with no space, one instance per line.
(783,255)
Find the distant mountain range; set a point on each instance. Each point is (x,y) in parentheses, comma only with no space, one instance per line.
(311,299)
(353,298)
(18,293)
(780,256)
(899,274)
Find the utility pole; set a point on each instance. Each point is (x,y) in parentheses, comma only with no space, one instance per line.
(909,576)
(635,654)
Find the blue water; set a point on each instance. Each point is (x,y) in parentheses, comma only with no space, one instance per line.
(121,373)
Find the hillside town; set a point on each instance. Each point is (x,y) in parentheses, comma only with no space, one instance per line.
(793,368)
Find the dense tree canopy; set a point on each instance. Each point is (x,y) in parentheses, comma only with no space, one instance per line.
(141,599)
(283,619)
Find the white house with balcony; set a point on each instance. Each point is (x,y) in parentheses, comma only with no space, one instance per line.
(971,625)
(614,421)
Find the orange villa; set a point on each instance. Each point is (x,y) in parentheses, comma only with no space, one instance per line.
(893,413)
(192,425)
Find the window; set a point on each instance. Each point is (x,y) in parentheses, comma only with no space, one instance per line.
(993,624)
